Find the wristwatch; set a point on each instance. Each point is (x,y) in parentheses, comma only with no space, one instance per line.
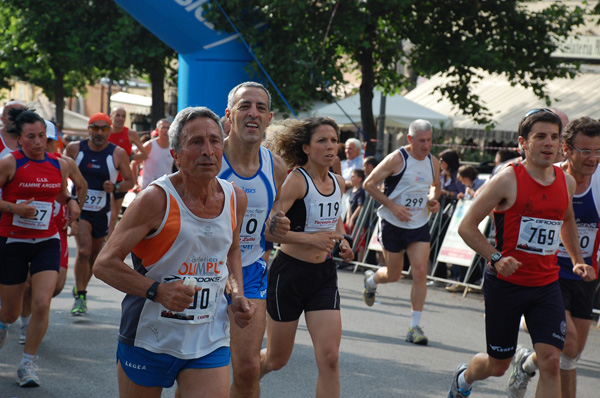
(494,259)
(152,291)
(116,187)
(75,198)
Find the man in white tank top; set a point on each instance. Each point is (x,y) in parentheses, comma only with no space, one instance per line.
(408,174)
(260,174)
(183,232)
(159,161)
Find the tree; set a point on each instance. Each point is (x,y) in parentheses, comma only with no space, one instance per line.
(61,46)
(135,50)
(44,47)
(306,45)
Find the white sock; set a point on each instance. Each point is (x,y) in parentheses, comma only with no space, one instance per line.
(371,282)
(415,318)
(529,365)
(25,321)
(27,358)
(462,382)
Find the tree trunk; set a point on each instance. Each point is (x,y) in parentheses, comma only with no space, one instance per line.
(59,97)
(366,98)
(157,79)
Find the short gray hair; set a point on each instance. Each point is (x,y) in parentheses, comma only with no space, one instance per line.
(246,84)
(356,142)
(187,115)
(419,125)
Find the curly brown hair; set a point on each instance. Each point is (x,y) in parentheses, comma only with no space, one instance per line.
(295,133)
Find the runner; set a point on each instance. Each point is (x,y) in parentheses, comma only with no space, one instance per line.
(99,162)
(31,180)
(185,224)
(532,206)
(303,276)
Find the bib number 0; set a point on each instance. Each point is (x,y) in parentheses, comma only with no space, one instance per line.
(202,308)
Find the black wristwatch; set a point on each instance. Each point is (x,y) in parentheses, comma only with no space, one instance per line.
(494,259)
(75,198)
(152,291)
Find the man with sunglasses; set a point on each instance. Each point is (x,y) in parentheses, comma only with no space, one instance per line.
(532,206)
(99,162)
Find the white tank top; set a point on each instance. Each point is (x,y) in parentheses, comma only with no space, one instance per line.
(409,187)
(158,163)
(316,212)
(261,191)
(183,245)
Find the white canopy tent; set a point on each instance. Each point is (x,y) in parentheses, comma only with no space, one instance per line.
(399,112)
(73,122)
(508,103)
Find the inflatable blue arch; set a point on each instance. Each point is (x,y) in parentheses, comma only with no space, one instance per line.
(211,63)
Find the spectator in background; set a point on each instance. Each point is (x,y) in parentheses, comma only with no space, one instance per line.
(504,157)
(357,198)
(369,163)
(353,150)
(449,164)
(468,176)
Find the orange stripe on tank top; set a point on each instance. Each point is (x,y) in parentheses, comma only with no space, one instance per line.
(153,249)
(232,211)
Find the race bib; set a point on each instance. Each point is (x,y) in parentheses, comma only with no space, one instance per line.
(203,308)
(95,200)
(587,235)
(414,201)
(254,220)
(323,215)
(539,236)
(43,215)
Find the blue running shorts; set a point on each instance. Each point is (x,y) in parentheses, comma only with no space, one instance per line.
(148,369)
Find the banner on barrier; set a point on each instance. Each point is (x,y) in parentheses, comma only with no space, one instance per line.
(374,242)
(454,250)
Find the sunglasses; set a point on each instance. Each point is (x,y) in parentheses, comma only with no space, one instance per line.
(534,111)
(95,129)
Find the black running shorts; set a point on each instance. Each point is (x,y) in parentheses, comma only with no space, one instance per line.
(295,286)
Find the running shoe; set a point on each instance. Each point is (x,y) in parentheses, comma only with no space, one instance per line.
(80,306)
(455,391)
(26,376)
(516,385)
(415,335)
(368,293)
(3,335)
(23,335)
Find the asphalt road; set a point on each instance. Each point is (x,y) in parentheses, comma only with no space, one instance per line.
(77,356)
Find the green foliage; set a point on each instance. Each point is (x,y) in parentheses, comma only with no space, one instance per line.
(306,45)
(61,46)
